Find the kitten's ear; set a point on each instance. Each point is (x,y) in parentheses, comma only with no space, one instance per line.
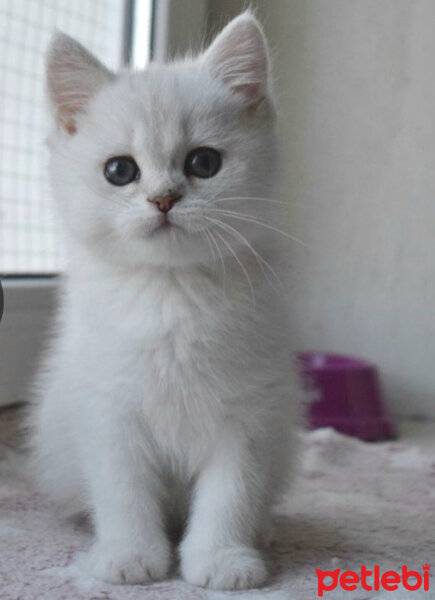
(239,57)
(74,76)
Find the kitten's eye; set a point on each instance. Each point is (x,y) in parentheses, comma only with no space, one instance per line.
(202,162)
(121,170)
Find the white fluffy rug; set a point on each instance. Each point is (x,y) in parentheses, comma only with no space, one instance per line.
(354,504)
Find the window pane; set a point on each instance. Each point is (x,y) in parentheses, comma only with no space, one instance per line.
(29,240)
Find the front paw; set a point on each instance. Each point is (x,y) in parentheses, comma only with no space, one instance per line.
(119,562)
(229,568)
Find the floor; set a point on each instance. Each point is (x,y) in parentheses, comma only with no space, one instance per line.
(354,504)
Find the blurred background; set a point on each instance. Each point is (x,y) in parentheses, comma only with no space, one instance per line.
(356,93)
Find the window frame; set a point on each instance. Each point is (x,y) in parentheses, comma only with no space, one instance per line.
(30,300)
(29,303)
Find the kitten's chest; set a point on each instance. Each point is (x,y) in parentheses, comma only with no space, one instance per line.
(178,353)
(178,338)
(185,383)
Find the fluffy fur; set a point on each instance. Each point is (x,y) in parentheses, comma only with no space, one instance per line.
(168,394)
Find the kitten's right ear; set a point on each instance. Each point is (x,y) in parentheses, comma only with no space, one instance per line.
(74,76)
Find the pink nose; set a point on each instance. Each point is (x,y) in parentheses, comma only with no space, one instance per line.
(165,203)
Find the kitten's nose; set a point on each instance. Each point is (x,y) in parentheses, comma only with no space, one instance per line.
(165,203)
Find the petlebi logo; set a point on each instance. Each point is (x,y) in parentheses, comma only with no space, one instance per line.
(373,580)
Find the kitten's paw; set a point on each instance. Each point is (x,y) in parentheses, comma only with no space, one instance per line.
(119,562)
(232,568)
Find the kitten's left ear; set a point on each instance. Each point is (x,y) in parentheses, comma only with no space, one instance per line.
(239,57)
(74,76)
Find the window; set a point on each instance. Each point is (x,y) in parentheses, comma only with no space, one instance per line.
(29,240)
(117,31)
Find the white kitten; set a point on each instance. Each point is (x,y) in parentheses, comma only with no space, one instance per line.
(169,391)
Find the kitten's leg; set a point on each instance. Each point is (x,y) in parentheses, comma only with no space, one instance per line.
(131,544)
(229,505)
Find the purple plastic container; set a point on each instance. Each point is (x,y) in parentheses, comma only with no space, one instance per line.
(348,396)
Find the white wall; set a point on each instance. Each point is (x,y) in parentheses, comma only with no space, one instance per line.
(183,24)
(356,81)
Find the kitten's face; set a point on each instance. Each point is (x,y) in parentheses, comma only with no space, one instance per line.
(144,170)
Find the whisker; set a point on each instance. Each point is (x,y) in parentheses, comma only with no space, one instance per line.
(262,199)
(226,199)
(224,270)
(261,261)
(250,219)
(204,235)
(240,264)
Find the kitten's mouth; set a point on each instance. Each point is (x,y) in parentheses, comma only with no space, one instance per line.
(164,224)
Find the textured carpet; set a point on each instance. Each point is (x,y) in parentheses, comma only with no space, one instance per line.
(354,504)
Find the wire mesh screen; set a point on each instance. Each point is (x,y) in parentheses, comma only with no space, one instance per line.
(29,239)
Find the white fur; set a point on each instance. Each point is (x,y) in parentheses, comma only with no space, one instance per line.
(168,393)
